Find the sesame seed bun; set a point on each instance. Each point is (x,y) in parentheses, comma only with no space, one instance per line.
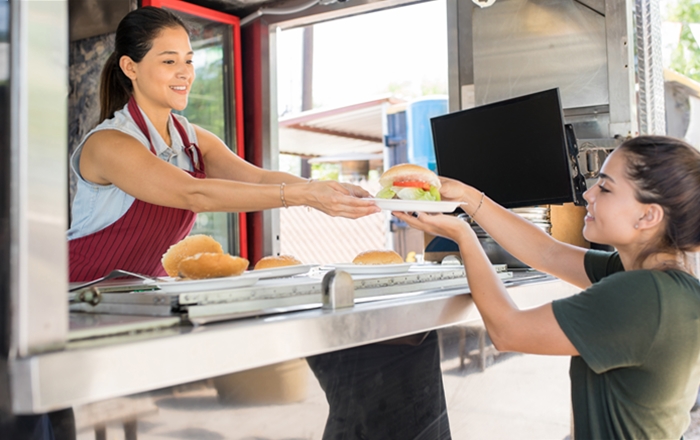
(378,257)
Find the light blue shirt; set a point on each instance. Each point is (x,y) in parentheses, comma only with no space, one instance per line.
(97,206)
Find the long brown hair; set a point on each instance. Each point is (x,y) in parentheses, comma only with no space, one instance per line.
(666,171)
(135,35)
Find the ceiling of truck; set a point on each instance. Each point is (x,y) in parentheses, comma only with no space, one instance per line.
(243,7)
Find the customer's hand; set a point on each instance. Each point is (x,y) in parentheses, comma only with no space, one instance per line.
(452,189)
(334,198)
(438,224)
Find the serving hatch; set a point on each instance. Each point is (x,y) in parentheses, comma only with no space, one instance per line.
(199,304)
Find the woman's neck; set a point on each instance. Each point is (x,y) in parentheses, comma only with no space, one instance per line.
(158,116)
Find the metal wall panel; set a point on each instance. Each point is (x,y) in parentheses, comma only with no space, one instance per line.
(5,203)
(526,46)
(38,266)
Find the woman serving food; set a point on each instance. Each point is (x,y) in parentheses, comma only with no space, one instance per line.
(144,173)
(633,334)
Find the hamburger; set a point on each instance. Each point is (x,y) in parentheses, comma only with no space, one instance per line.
(378,257)
(276,261)
(409,182)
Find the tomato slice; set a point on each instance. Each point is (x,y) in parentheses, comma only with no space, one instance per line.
(414,184)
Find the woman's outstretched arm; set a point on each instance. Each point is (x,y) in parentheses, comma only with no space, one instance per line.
(511,329)
(112,157)
(521,238)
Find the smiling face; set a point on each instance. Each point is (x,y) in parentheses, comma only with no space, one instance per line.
(162,79)
(613,210)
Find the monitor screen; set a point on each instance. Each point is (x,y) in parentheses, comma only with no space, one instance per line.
(514,151)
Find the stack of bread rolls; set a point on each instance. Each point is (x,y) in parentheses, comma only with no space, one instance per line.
(201,257)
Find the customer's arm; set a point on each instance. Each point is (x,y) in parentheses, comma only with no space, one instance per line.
(525,241)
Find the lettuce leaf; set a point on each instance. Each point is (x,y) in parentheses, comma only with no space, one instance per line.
(409,193)
(386,193)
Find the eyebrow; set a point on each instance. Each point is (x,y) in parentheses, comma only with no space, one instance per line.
(172,52)
(605,176)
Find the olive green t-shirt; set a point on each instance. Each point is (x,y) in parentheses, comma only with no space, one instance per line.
(638,336)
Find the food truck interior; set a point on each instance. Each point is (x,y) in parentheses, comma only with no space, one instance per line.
(107,352)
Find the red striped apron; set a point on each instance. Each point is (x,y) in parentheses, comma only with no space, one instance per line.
(137,240)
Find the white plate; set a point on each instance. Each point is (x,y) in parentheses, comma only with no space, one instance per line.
(415,205)
(370,269)
(279,272)
(436,267)
(174,285)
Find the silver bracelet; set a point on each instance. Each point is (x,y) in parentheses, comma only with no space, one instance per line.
(480,203)
(284,201)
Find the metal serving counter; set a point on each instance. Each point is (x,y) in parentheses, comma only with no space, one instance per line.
(100,368)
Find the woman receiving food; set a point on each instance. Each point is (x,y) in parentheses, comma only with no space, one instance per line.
(633,333)
(144,173)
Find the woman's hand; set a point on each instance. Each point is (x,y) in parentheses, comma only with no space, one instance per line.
(333,198)
(443,225)
(452,189)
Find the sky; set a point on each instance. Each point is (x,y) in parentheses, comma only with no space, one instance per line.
(358,58)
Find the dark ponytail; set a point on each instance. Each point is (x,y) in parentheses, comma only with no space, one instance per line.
(135,35)
(666,171)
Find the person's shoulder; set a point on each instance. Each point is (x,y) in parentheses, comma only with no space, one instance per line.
(120,128)
(677,281)
(111,145)
(634,285)
(110,136)
(644,279)
(653,285)
(600,264)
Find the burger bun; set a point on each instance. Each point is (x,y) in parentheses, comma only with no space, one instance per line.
(188,247)
(211,265)
(408,172)
(276,261)
(378,257)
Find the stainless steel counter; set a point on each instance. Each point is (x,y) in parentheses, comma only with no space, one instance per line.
(107,367)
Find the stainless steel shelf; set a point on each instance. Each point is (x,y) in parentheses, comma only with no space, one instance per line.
(110,367)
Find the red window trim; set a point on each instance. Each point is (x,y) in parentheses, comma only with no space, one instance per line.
(210,14)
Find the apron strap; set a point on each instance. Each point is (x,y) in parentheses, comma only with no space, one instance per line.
(138,118)
(190,148)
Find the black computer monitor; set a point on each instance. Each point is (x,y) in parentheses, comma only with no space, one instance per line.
(514,150)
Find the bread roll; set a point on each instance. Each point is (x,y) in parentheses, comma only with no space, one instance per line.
(406,172)
(378,257)
(211,265)
(189,246)
(276,261)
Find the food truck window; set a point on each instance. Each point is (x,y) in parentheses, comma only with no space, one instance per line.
(514,150)
(337,98)
(214,100)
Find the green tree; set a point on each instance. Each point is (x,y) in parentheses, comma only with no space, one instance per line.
(686,57)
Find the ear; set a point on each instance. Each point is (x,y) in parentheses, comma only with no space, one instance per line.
(653,216)
(128,66)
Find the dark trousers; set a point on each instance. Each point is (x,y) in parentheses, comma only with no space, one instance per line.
(57,425)
(384,392)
